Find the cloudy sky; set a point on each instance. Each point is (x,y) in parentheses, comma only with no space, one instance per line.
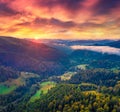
(64,19)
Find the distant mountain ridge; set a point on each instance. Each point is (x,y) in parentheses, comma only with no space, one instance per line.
(114,44)
(75,42)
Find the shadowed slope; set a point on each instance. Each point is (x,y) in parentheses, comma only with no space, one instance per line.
(30,56)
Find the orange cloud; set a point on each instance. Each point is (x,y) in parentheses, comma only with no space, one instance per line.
(81,19)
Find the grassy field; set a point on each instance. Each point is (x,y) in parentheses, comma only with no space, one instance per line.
(83,66)
(6,89)
(11,84)
(66,76)
(21,80)
(44,87)
(35,96)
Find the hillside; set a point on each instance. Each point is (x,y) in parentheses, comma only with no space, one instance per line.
(30,56)
(69,98)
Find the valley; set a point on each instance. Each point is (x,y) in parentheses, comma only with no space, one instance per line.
(38,77)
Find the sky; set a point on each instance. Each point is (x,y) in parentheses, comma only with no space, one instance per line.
(60,19)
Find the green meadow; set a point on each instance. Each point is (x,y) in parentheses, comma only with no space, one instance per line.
(44,87)
(6,89)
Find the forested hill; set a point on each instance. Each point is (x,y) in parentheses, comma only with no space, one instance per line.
(31,56)
(69,98)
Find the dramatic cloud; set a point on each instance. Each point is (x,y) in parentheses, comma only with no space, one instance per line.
(79,19)
(106,6)
(5,10)
(54,22)
(69,5)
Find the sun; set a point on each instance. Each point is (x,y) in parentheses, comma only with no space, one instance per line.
(36,38)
